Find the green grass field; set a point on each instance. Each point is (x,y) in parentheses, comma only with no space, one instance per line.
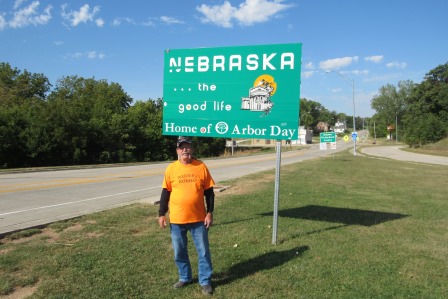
(349,227)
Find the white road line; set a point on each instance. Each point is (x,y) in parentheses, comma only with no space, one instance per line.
(73,202)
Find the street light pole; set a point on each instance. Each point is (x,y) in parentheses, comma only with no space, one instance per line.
(354,119)
(352,83)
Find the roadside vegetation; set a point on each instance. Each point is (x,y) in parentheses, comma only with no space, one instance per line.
(85,121)
(439,148)
(349,227)
(414,113)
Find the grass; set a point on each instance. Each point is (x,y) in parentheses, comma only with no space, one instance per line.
(439,148)
(349,227)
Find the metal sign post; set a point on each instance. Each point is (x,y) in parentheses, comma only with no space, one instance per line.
(276,191)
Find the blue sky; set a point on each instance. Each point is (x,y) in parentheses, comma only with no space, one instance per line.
(370,43)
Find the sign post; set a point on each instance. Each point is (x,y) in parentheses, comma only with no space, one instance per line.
(250,92)
(328,137)
(278,149)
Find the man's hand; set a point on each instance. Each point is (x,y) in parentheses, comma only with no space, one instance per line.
(208,222)
(162,221)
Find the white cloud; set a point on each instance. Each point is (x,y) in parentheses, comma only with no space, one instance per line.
(307,74)
(148,23)
(87,55)
(58,43)
(337,63)
(375,58)
(309,66)
(29,15)
(336,90)
(119,21)
(151,22)
(170,20)
(220,15)
(84,15)
(18,3)
(99,22)
(3,23)
(94,55)
(360,72)
(247,14)
(76,55)
(396,64)
(258,11)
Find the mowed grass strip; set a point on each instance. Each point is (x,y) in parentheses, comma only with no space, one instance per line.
(349,227)
(439,148)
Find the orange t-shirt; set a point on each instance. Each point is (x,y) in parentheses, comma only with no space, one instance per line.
(187,184)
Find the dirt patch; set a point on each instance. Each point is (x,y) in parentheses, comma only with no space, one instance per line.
(245,186)
(74,228)
(94,235)
(23,239)
(51,235)
(4,251)
(20,293)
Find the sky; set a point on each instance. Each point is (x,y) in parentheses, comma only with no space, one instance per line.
(347,45)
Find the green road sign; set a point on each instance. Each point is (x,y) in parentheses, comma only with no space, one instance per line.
(327,137)
(233,92)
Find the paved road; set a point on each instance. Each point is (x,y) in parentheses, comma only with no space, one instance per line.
(395,152)
(36,198)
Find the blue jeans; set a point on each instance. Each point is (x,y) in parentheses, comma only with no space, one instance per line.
(199,235)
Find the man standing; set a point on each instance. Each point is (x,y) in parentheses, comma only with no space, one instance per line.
(187,181)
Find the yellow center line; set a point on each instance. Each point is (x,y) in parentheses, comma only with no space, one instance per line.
(77,181)
(211,164)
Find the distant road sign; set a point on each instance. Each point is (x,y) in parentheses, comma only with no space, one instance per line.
(327,137)
(346,138)
(354,135)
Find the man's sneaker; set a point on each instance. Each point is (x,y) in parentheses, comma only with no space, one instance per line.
(207,290)
(180,284)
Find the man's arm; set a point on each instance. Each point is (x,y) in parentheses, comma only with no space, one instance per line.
(163,207)
(210,199)
(210,203)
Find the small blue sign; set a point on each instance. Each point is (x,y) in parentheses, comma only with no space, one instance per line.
(354,135)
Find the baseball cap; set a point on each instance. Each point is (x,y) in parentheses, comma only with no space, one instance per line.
(183,139)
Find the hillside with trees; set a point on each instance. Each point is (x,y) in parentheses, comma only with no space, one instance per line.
(87,121)
(418,113)
(79,122)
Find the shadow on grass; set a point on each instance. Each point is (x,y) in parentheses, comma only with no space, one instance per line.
(263,262)
(339,215)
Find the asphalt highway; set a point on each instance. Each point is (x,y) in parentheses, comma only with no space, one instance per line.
(30,199)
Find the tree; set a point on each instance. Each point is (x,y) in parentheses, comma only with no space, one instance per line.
(82,118)
(22,101)
(423,130)
(426,118)
(390,104)
(145,132)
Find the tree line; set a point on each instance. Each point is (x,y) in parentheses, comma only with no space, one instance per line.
(80,122)
(416,113)
(86,121)
(312,113)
